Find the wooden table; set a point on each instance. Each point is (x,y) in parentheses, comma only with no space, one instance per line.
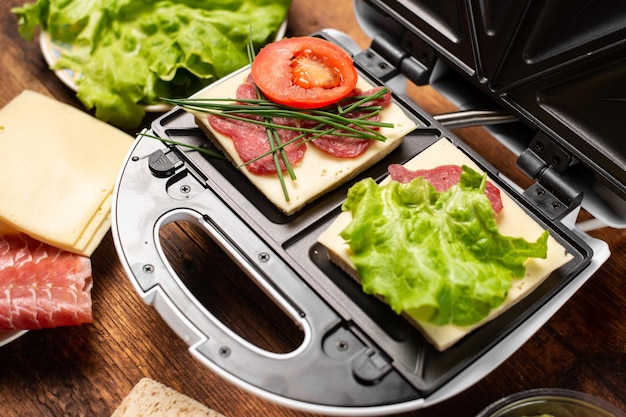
(87,370)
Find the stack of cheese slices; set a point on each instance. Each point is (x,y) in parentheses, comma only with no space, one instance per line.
(59,167)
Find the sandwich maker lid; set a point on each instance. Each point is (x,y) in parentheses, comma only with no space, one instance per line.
(558,66)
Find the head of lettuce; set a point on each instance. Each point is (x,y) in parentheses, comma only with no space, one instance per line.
(131,52)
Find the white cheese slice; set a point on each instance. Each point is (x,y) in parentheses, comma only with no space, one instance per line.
(512,221)
(318,172)
(59,167)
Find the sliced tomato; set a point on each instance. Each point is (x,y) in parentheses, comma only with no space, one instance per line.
(304,72)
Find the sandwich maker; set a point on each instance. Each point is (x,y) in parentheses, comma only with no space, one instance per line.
(561,92)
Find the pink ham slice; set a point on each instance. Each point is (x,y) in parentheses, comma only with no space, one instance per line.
(442,178)
(42,286)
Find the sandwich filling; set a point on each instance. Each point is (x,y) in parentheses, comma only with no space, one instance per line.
(445,260)
(438,255)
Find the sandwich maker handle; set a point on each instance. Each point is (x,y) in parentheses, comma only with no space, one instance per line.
(469,118)
(335,364)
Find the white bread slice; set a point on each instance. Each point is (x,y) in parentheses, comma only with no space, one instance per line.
(512,221)
(150,398)
(318,172)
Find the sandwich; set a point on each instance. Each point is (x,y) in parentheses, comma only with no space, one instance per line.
(451,299)
(319,165)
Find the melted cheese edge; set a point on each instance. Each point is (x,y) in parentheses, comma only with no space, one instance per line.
(59,167)
(512,221)
(318,172)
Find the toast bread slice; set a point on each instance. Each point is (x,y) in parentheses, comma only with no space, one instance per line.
(150,398)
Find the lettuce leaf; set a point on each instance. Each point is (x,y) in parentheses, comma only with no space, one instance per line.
(131,52)
(437,256)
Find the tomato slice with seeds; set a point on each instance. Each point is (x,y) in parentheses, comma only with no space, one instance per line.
(304,72)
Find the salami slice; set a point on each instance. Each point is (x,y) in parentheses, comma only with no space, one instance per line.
(340,146)
(442,178)
(251,141)
(349,147)
(246,91)
(383,101)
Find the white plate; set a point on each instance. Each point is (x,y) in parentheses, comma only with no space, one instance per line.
(52,50)
(8,337)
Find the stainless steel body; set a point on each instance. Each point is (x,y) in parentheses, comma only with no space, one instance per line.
(355,358)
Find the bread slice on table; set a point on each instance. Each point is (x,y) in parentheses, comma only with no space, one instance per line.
(150,398)
(512,221)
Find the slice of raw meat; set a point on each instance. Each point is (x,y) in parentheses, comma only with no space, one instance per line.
(442,178)
(42,286)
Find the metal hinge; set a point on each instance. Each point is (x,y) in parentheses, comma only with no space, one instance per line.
(545,162)
(386,58)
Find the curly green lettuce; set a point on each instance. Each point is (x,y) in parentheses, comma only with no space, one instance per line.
(436,255)
(131,52)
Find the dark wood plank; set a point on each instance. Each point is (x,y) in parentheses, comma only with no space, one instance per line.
(87,370)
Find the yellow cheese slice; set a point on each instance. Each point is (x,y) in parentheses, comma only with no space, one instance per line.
(59,167)
(318,172)
(512,221)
